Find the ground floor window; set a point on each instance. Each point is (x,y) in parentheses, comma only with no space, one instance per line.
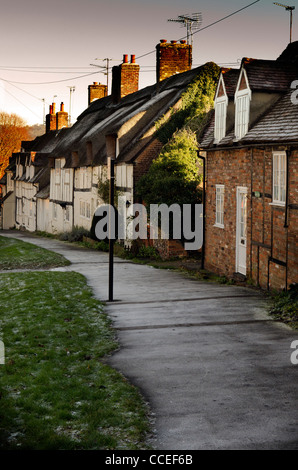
(67,213)
(219,211)
(82,208)
(54,211)
(279,178)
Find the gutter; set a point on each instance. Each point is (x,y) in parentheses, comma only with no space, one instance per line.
(264,144)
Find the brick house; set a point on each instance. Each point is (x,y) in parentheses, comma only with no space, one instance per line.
(251,150)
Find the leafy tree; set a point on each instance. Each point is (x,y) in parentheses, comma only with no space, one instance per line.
(12,132)
(174,175)
(196,102)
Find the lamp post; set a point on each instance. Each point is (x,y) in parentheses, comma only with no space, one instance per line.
(112,153)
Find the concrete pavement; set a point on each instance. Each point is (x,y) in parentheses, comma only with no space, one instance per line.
(213,366)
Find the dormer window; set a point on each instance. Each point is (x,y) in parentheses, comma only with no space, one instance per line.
(242,104)
(220,105)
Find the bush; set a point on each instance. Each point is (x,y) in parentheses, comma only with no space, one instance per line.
(76,235)
(173,176)
(148,252)
(285,305)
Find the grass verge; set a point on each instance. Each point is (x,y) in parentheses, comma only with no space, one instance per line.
(55,391)
(284,306)
(16,254)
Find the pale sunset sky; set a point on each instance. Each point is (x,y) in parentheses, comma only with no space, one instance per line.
(48,47)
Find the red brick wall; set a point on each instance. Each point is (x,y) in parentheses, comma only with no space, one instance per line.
(270,245)
(172,58)
(125,80)
(61,120)
(220,243)
(96,91)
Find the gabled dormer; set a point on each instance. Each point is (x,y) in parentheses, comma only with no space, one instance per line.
(242,101)
(220,106)
(224,103)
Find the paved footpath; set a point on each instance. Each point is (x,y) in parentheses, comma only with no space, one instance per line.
(214,368)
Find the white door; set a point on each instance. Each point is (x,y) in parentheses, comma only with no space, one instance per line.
(241,225)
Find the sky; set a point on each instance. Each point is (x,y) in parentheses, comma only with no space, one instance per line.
(47,48)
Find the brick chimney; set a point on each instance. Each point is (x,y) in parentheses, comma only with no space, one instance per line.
(96,92)
(51,118)
(172,58)
(61,118)
(125,78)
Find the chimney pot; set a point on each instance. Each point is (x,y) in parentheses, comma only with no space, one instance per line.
(173,42)
(133,59)
(163,41)
(95,83)
(125,58)
(183,41)
(62,107)
(54,108)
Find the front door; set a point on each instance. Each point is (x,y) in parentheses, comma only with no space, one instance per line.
(241,225)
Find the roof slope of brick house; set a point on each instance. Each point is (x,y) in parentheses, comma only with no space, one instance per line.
(251,148)
(133,117)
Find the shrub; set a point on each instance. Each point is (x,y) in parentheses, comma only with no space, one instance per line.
(76,235)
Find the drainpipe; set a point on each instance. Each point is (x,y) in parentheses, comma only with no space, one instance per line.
(286,225)
(288,153)
(204,206)
(73,193)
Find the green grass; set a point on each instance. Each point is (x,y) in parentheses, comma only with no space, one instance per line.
(16,254)
(55,390)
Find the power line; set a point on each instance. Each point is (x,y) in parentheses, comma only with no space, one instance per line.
(56,81)
(208,26)
(39,71)
(24,91)
(22,104)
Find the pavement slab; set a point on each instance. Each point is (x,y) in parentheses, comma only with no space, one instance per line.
(214,368)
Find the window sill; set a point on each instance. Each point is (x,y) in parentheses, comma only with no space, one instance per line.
(218,226)
(277,204)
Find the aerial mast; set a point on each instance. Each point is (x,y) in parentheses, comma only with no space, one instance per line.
(290,9)
(191,22)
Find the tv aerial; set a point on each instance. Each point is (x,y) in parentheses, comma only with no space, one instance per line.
(191,23)
(290,9)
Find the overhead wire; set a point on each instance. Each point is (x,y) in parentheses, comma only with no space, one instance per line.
(22,104)
(208,26)
(38,69)
(138,57)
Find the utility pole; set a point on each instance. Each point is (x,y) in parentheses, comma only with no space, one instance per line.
(106,68)
(107,72)
(44,111)
(290,9)
(71,90)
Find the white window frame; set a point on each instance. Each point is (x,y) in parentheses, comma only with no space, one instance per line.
(67,213)
(242,108)
(57,172)
(82,208)
(279,178)
(219,205)
(54,211)
(88,210)
(221,106)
